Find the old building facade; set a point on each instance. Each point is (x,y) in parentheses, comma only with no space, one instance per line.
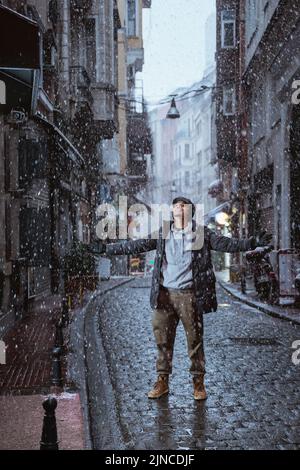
(117,169)
(272,56)
(226,97)
(258,52)
(60,76)
(124,157)
(263,131)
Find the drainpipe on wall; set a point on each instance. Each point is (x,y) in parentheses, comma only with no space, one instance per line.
(64,25)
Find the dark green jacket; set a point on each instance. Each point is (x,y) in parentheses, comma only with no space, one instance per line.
(203,274)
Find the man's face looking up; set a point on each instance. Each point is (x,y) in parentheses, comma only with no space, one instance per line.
(182,212)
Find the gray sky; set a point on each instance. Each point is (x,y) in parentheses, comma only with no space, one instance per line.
(174,42)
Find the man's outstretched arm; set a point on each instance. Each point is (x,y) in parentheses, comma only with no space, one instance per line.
(125,247)
(131,247)
(235,245)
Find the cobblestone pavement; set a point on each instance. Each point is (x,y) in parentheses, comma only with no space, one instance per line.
(253,386)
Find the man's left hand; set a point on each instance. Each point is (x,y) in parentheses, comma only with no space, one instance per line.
(263,239)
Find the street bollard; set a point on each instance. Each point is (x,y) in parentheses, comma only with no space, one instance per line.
(65,313)
(49,433)
(56,378)
(59,338)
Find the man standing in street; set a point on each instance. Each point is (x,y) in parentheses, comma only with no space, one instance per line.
(183,287)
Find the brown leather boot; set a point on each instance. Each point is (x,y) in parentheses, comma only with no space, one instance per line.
(199,388)
(161,387)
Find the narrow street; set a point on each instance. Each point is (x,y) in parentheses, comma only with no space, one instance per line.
(253,386)
(148,143)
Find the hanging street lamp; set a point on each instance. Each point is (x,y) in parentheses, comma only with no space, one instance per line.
(173,112)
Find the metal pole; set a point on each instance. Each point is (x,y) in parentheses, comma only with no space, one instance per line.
(59,338)
(49,434)
(56,378)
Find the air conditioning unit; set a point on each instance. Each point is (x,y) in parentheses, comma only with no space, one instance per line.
(17,116)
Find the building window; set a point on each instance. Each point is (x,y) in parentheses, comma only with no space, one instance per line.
(131,17)
(199,128)
(229,101)
(199,184)
(266,7)
(199,158)
(253,14)
(187,181)
(90,26)
(53,11)
(187,151)
(228,29)
(179,183)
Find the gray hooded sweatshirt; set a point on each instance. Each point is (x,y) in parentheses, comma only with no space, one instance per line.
(176,270)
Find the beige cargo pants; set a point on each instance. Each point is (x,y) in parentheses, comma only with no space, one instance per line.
(174,306)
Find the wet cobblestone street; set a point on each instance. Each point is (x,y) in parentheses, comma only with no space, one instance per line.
(253,387)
